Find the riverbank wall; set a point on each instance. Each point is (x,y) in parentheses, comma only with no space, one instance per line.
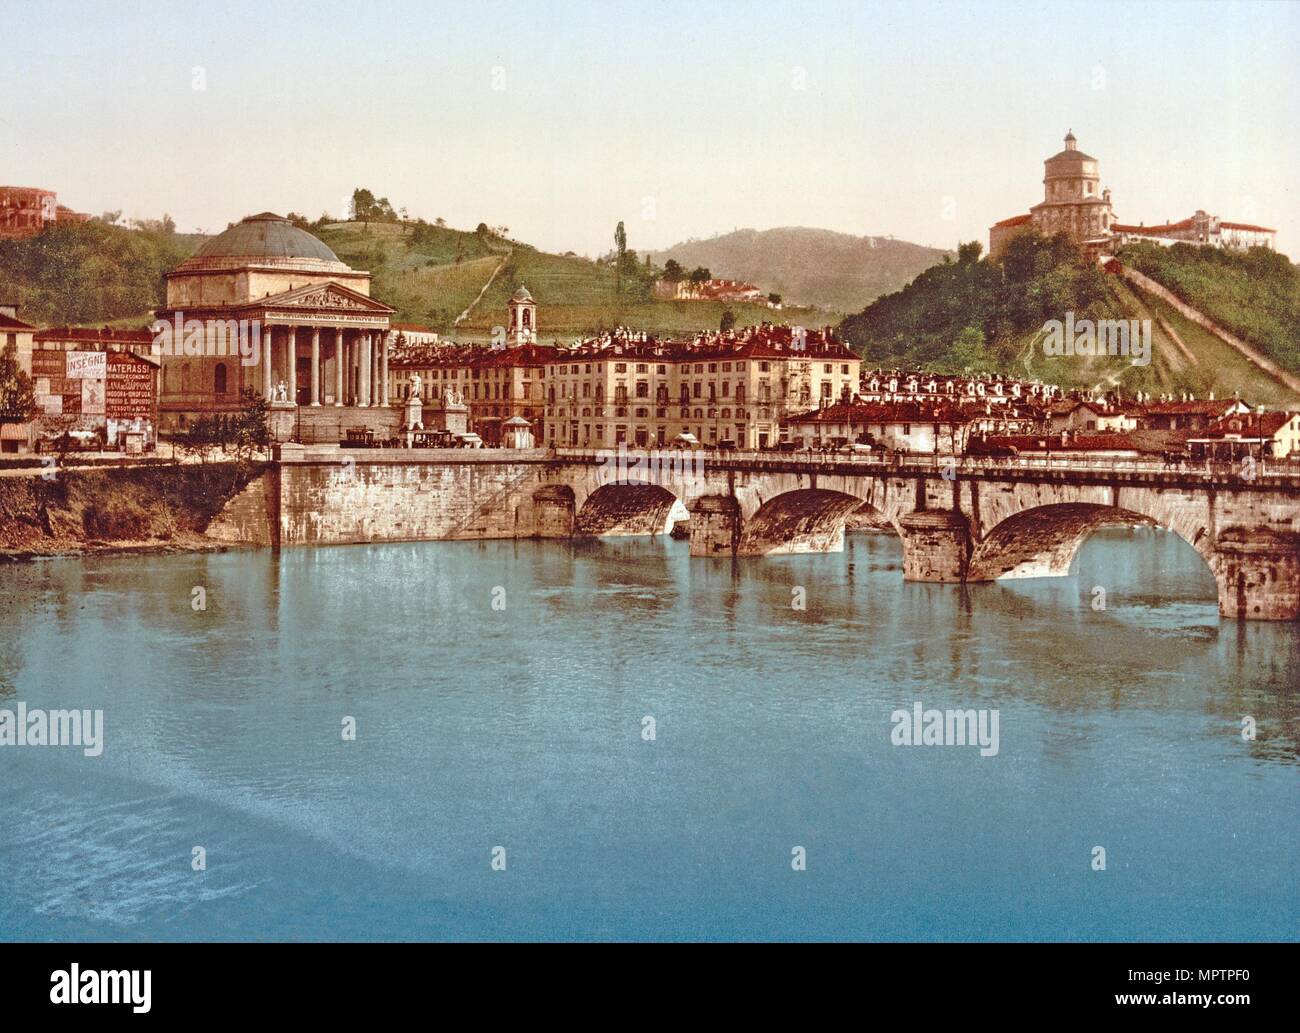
(68,511)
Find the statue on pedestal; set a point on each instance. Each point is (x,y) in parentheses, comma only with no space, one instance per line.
(281,392)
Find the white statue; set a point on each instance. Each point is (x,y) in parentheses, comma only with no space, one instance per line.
(416,383)
(282,391)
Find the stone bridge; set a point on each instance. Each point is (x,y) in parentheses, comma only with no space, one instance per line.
(959,519)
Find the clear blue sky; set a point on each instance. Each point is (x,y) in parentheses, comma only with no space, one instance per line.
(925,121)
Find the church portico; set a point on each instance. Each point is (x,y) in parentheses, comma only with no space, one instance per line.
(318,341)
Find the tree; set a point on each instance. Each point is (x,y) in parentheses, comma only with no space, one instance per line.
(774,298)
(728,321)
(673,271)
(17,394)
(700,275)
(249,431)
(620,254)
(201,438)
(969,252)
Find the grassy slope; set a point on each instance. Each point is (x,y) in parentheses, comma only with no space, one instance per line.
(575,297)
(1218,368)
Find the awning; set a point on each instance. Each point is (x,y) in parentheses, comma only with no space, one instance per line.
(15,431)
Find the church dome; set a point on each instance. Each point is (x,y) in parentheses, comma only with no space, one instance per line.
(266,236)
(521,295)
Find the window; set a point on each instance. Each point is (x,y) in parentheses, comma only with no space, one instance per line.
(641,367)
(620,367)
(219,378)
(642,389)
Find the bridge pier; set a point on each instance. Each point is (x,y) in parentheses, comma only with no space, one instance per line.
(715,525)
(553,511)
(1258,573)
(936,545)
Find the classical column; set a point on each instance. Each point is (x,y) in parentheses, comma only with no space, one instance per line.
(383,359)
(338,366)
(316,365)
(268,343)
(376,342)
(363,389)
(291,352)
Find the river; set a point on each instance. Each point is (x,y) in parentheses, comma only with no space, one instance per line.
(501,693)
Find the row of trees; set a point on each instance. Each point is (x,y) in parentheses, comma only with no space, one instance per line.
(241,435)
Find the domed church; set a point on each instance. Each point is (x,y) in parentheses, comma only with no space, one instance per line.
(267,306)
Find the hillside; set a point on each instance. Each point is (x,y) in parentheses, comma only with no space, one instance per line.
(90,272)
(455,281)
(983,314)
(1255,294)
(828,270)
(436,274)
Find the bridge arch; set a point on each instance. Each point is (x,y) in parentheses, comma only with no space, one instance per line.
(1043,541)
(801,520)
(631,508)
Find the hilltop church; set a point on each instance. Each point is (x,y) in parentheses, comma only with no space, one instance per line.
(1075,203)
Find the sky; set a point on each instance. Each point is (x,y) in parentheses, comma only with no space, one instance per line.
(924,121)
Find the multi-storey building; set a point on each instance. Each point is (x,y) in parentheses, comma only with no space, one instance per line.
(630,387)
(26,211)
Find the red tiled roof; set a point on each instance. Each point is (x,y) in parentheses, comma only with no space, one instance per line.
(9,323)
(761,342)
(1250,425)
(1197,406)
(1015,220)
(1245,226)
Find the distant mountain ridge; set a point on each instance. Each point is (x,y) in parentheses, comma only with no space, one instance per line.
(806,266)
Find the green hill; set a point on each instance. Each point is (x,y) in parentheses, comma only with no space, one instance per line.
(455,281)
(988,314)
(90,272)
(830,270)
(437,276)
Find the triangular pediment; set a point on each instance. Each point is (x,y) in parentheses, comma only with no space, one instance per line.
(332,297)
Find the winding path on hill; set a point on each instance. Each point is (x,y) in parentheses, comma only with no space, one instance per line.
(490,280)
